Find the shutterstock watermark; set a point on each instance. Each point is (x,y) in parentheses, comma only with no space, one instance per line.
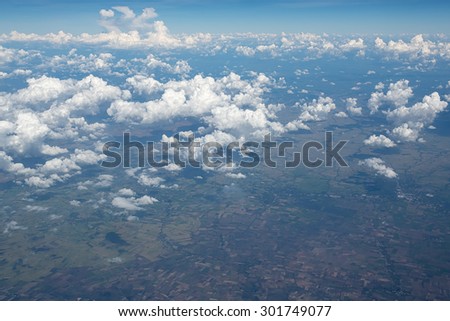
(184,151)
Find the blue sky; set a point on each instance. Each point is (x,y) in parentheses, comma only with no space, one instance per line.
(332,16)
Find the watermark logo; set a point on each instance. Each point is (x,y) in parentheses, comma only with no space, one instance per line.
(185,151)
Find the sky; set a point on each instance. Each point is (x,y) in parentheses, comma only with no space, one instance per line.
(330,16)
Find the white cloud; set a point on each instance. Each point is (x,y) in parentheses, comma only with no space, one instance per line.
(353,44)
(411,120)
(316,110)
(398,95)
(122,18)
(245,51)
(235,175)
(7,164)
(53,150)
(86,157)
(52,110)
(6,56)
(146,180)
(42,182)
(59,165)
(422,112)
(104,180)
(86,64)
(406,133)
(416,48)
(379,166)
(124,203)
(124,29)
(132,203)
(228,103)
(172,167)
(106,13)
(126,192)
(381,141)
(341,114)
(351,104)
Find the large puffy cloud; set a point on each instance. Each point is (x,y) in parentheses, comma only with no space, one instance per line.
(354,44)
(411,120)
(228,103)
(7,164)
(416,48)
(422,112)
(406,133)
(317,110)
(51,108)
(6,55)
(351,105)
(379,166)
(36,119)
(398,95)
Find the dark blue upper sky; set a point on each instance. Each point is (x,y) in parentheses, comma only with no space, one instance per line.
(332,16)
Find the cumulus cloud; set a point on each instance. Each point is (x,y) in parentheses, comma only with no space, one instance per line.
(341,114)
(38,119)
(132,203)
(102,181)
(379,141)
(84,63)
(411,120)
(86,157)
(146,180)
(228,104)
(417,48)
(379,166)
(245,51)
(6,56)
(422,112)
(316,110)
(126,192)
(353,44)
(50,108)
(351,106)
(142,67)
(397,95)
(52,150)
(407,133)
(7,164)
